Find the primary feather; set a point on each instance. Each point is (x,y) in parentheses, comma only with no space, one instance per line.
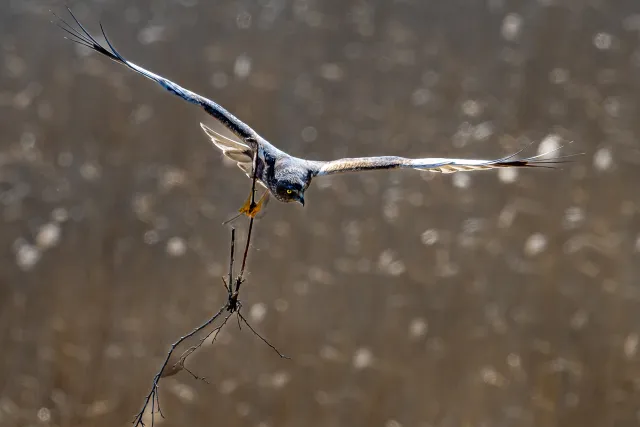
(443,165)
(84,38)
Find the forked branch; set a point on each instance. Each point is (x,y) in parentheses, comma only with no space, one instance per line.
(231,306)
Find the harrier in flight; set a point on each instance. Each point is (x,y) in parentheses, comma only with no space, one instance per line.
(284,176)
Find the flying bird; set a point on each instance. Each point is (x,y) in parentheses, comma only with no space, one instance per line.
(284,176)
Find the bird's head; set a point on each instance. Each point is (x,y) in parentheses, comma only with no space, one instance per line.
(292,184)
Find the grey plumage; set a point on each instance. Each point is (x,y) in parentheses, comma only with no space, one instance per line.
(285,176)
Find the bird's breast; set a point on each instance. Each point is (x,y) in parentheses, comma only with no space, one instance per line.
(266,169)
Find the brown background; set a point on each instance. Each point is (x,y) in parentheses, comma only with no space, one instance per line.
(404,299)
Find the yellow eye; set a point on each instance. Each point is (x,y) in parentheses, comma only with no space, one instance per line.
(289,191)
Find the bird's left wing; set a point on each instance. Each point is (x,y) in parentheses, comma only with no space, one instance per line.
(443,165)
(234,124)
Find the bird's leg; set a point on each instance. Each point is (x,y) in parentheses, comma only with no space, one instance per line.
(251,208)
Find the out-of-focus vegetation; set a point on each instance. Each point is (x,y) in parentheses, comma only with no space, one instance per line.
(403,298)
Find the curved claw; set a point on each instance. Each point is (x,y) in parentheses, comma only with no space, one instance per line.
(252,209)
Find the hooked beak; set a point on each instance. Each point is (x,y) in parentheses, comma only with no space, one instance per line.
(301,200)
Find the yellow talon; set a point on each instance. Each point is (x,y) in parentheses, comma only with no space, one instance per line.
(251,210)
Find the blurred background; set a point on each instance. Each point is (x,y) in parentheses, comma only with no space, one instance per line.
(403,298)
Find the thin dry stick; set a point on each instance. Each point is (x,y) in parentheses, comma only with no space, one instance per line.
(253,203)
(153,394)
(240,278)
(254,177)
(192,349)
(227,284)
(233,305)
(282,356)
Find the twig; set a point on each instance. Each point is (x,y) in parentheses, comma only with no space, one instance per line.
(240,278)
(233,250)
(181,362)
(233,305)
(282,356)
(195,377)
(153,394)
(254,177)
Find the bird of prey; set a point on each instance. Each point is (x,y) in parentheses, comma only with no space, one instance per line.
(284,176)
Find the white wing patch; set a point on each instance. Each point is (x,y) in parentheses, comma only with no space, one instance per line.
(235,150)
(450,165)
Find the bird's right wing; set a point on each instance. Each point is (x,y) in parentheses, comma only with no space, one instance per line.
(443,165)
(234,124)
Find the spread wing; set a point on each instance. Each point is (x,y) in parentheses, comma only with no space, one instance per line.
(237,151)
(443,165)
(234,124)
